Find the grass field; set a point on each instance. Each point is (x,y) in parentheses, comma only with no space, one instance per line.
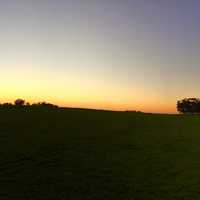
(84,154)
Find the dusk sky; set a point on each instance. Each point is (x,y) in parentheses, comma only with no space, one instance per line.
(110,54)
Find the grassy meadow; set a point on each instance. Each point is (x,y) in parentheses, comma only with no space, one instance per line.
(58,154)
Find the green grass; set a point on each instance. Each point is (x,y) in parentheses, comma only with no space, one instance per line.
(84,154)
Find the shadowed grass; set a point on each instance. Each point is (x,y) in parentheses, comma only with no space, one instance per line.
(86,154)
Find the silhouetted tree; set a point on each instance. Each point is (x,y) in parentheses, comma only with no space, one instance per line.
(189,105)
(19,102)
(27,104)
(46,105)
(7,105)
(43,105)
(23,103)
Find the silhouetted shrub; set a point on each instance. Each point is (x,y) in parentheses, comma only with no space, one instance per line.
(27,104)
(22,103)
(7,105)
(19,102)
(189,105)
(44,105)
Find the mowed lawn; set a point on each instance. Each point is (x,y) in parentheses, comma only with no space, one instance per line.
(86,154)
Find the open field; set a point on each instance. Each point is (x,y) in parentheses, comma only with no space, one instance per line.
(84,154)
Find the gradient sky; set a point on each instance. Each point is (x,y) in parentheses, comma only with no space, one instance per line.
(112,54)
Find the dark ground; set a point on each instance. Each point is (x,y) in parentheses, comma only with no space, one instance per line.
(84,154)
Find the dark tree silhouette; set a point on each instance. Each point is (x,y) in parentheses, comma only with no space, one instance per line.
(22,103)
(189,105)
(27,104)
(7,105)
(45,105)
(19,102)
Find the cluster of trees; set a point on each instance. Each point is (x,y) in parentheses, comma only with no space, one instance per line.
(23,103)
(189,105)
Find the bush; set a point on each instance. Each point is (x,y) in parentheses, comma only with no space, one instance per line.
(20,102)
(189,105)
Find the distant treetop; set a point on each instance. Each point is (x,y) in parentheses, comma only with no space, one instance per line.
(189,105)
(23,103)
(19,102)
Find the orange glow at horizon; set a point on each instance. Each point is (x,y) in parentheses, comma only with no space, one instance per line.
(37,87)
(153,107)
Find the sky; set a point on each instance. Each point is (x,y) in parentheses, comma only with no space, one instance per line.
(108,54)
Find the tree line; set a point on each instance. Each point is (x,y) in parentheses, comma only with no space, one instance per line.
(189,105)
(23,103)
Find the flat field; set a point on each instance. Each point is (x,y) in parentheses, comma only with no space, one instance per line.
(58,154)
